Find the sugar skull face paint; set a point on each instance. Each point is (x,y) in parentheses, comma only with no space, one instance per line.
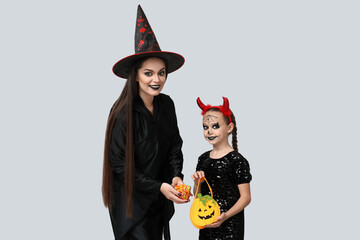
(210,119)
(216,131)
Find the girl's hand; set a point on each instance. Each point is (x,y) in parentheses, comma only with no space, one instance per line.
(171,194)
(197,175)
(220,220)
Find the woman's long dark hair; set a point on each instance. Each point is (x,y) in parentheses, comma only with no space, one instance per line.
(125,102)
(234,131)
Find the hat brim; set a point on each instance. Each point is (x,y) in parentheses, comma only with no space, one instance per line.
(174,61)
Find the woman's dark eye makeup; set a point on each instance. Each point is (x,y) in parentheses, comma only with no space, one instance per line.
(148,74)
(205,127)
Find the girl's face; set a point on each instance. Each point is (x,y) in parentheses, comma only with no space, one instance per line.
(216,130)
(151,77)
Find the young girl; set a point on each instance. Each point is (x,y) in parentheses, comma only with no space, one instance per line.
(227,172)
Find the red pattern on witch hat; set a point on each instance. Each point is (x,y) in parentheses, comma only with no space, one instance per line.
(225,109)
(146,45)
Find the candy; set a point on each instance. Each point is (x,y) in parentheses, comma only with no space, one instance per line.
(184,191)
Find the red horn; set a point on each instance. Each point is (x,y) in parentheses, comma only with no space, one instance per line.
(200,104)
(226,104)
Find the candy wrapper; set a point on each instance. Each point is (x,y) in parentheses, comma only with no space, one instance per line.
(184,190)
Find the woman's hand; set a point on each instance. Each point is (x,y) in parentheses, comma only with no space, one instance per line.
(220,220)
(171,194)
(176,181)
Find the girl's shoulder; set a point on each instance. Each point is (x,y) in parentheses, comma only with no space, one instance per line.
(236,156)
(202,160)
(205,155)
(240,168)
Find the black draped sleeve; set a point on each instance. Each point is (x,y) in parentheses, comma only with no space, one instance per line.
(142,182)
(175,154)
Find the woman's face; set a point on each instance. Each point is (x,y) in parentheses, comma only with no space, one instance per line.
(216,130)
(151,77)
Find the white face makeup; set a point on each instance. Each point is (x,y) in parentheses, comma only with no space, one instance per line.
(216,131)
(151,77)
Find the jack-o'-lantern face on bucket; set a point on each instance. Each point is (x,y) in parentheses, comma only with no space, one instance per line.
(204,211)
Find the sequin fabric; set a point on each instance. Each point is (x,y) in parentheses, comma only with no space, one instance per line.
(223,175)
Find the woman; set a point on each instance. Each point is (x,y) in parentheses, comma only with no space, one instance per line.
(143,158)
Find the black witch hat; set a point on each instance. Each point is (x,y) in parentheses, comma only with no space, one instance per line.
(146,45)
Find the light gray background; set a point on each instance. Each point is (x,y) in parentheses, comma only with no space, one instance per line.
(289,68)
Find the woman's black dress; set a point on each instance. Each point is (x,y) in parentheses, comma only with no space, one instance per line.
(224,175)
(158,158)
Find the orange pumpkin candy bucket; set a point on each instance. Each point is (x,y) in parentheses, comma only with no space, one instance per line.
(204,209)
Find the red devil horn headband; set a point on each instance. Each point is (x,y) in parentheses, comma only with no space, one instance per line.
(223,108)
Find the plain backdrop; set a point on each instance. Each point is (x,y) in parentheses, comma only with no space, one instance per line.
(289,68)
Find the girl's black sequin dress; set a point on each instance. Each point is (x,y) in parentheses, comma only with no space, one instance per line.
(223,175)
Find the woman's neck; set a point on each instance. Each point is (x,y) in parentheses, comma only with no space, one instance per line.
(148,101)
